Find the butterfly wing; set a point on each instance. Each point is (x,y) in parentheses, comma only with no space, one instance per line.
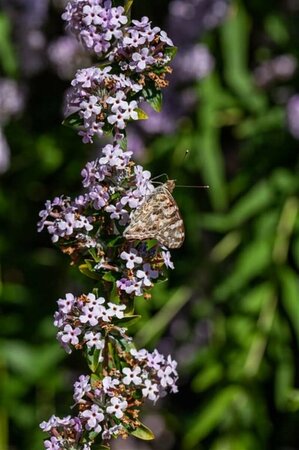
(158,218)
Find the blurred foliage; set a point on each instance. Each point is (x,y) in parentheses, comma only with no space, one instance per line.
(230,311)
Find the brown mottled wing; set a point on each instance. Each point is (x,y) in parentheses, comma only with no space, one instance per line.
(158,218)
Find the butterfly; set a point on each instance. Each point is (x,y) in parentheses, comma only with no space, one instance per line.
(158,218)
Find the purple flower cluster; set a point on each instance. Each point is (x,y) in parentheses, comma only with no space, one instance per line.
(103,30)
(11,104)
(107,97)
(281,68)
(103,101)
(142,48)
(90,229)
(110,406)
(115,187)
(189,19)
(95,23)
(11,100)
(83,322)
(293,116)
(65,218)
(66,55)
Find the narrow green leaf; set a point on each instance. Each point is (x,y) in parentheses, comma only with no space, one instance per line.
(93,359)
(94,379)
(171,52)
(207,377)
(151,244)
(86,271)
(141,114)
(143,432)
(8,57)
(128,6)
(73,121)
(290,296)
(155,326)
(109,276)
(153,96)
(127,321)
(115,241)
(254,259)
(211,415)
(235,34)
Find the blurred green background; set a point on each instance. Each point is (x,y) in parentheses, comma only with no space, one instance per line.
(230,311)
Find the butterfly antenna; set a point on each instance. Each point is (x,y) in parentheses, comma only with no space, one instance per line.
(196,187)
(159,176)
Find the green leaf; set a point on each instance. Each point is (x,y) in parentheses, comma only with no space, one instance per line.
(151,244)
(290,296)
(143,432)
(127,321)
(153,97)
(73,121)
(115,241)
(124,143)
(109,276)
(171,52)
(253,261)
(235,34)
(208,154)
(94,379)
(157,324)
(211,415)
(8,57)
(277,28)
(207,377)
(141,114)
(93,359)
(86,271)
(293,400)
(128,6)
(260,197)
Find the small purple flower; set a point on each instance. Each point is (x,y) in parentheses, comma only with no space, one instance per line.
(150,390)
(117,407)
(90,315)
(116,310)
(94,340)
(93,172)
(66,304)
(52,444)
(165,377)
(90,107)
(132,258)
(132,376)
(130,286)
(109,384)
(69,335)
(117,102)
(166,258)
(146,274)
(117,212)
(93,417)
(99,196)
(55,422)
(140,60)
(119,119)
(81,387)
